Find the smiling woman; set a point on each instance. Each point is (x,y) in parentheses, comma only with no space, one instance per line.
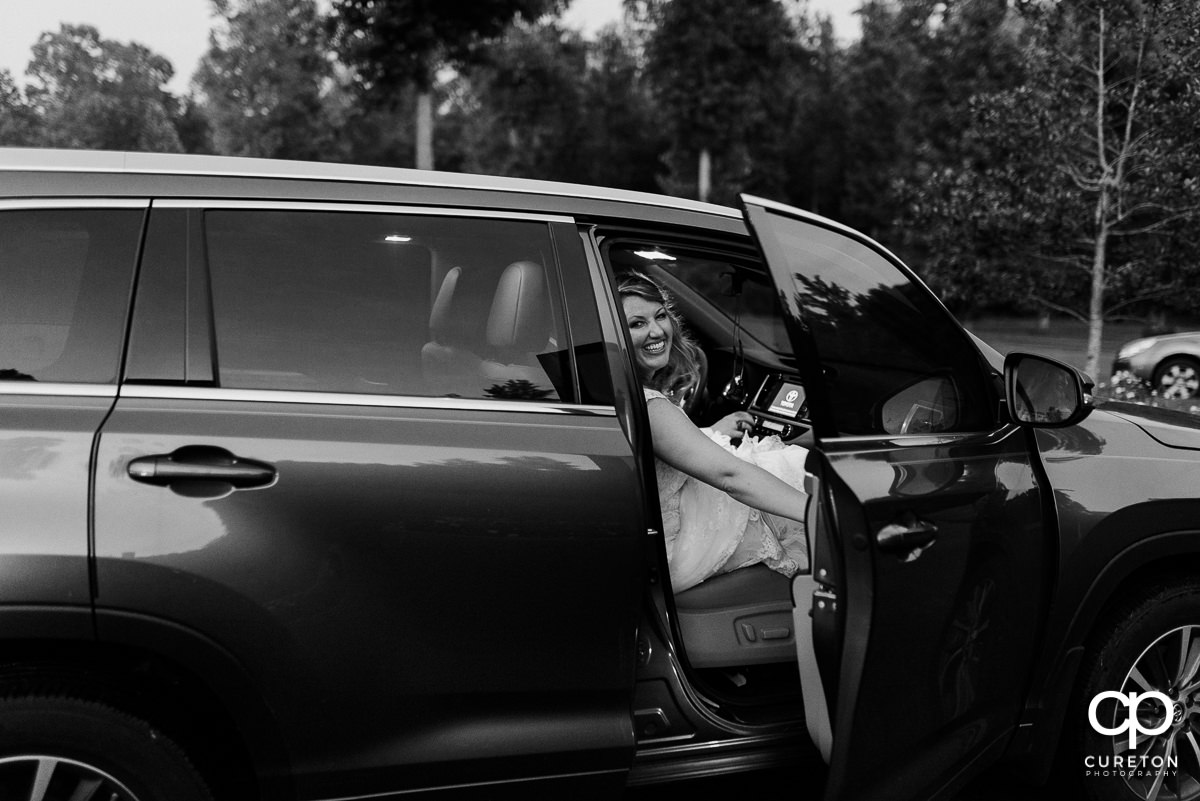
(667,358)
(723,507)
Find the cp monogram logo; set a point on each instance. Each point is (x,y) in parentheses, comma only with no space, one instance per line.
(1132,724)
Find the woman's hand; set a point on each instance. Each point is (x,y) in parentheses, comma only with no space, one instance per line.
(734,425)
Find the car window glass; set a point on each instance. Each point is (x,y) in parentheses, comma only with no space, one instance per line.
(64,291)
(386,304)
(882,340)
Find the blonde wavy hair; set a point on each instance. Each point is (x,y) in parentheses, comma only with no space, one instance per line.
(680,378)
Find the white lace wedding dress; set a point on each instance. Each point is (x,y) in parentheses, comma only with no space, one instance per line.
(707,532)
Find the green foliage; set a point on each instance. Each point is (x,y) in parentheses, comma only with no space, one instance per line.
(393,43)
(814,161)
(522,104)
(1045,187)
(18,126)
(85,91)
(543,102)
(624,138)
(963,133)
(908,85)
(721,73)
(263,81)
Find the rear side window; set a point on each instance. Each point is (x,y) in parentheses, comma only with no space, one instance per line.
(65,279)
(396,304)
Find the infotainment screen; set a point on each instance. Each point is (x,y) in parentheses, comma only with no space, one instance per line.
(788,400)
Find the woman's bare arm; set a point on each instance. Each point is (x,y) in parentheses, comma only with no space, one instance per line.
(680,444)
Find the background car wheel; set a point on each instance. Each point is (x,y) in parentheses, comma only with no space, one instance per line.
(1150,645)
(55,748)
(1178,377)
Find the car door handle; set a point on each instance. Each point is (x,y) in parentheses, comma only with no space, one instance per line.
(201,463)
(906,536)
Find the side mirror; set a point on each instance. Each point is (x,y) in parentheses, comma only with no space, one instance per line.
(1045,393)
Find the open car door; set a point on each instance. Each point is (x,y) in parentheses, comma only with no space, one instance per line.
(929,571)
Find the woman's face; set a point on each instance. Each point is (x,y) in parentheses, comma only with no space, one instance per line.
(651,330)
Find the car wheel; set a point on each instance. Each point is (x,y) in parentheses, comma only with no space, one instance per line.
(55,748)
(1178,377)
(1143,678)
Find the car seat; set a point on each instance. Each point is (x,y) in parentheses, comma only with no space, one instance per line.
(518,329)
(743,617)
(450,361)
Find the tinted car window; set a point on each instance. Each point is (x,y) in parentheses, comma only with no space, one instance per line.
(894,361)
(64,290)
(386,304)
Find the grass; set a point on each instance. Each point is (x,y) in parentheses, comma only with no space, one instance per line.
(1066,340)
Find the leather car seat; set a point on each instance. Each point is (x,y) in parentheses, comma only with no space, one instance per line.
(743,617)
(518,329)
(450,361)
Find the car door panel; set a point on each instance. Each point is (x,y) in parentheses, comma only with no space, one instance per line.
(425,591)
(936,584)
(46,442)
(64,297)
(411,579)
(943,634)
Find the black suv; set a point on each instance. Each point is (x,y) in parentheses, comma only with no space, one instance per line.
(331,482)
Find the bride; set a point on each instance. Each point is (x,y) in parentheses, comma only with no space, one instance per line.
(723,507)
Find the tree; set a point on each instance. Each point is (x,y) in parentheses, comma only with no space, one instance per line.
(520,106)
(815,166)
(967,50)
(262,80)
(718,68)
(542,101)
(880,85)
(393,44)
(90,92)
(1089,169)
(18,125)
(624,141)
(193,127)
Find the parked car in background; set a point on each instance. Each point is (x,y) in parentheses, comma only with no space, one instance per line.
(332,482)
(1168,363)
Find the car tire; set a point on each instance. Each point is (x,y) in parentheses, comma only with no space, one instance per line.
(1151,643)
(1177,377)
(57,748)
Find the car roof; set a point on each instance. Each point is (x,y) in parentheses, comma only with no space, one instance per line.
(195,174)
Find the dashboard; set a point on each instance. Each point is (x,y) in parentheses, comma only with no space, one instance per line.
(780,407)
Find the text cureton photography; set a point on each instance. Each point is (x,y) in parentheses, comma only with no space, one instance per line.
(1129,767)
(1141,715)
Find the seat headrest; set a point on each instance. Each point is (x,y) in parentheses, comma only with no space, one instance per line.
(439,316)
(456,314)
(520,316)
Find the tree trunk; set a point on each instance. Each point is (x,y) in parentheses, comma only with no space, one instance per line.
(1096,303)
(425,129)
(704,182)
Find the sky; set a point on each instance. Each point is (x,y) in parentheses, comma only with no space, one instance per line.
(178,29)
